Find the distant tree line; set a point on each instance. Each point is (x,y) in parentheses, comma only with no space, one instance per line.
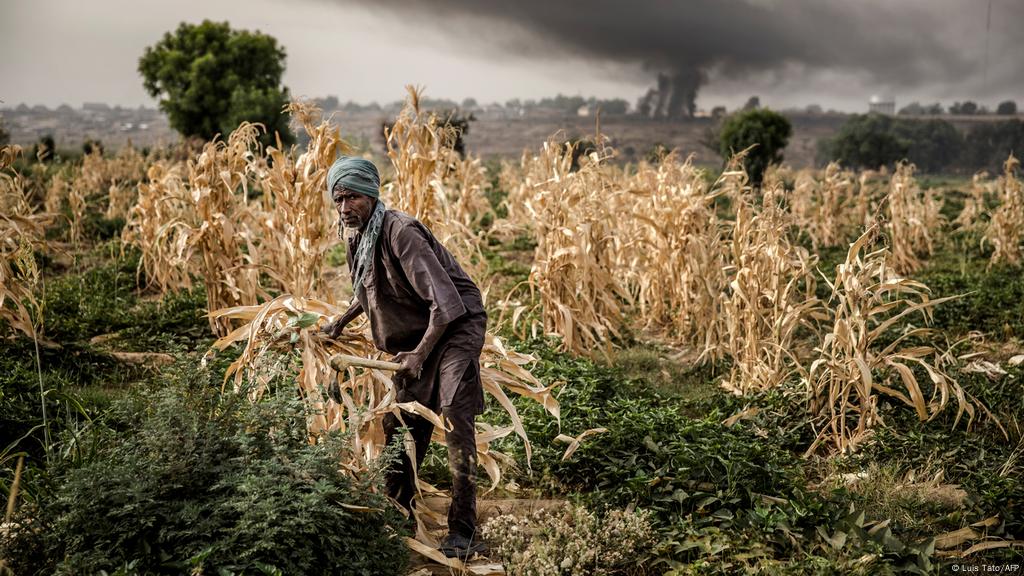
(561,103)
(965,108)
(874,140)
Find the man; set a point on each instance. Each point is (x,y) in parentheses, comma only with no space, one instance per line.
(424,309)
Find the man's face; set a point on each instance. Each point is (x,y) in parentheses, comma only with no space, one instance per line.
(354,208)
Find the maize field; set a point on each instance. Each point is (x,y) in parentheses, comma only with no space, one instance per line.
(832,320)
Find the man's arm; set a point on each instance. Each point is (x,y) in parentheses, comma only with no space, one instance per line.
(412,362)
(334,329)
(434,286)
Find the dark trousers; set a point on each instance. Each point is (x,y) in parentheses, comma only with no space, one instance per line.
(461,441)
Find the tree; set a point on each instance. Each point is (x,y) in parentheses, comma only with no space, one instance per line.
(987,144)
(765,129)
(4,136)
(753,103)
(327,103)
(45,149)
(932,145)
(209,78)
(966,108)
(1007,108)
(912,109)
(613,107)
(867,141)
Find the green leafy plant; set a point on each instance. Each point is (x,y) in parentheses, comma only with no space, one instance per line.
(205,482)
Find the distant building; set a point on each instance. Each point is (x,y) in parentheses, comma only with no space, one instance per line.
(882,105)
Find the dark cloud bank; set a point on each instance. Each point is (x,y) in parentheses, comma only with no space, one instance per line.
(679,45)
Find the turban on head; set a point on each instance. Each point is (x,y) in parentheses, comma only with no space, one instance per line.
(356,174)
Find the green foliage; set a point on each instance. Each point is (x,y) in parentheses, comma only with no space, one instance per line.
(966,108)
(209,78)
(992,302)
(724,499)
(103,300)
(874,140)
(1007,107)
(204,482)
(768,130)
(867,141)
(77,307)
(989,143)
(932,145)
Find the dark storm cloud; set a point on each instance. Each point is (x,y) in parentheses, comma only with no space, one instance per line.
(905,43)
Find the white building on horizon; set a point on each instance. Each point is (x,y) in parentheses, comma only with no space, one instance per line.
(882,105)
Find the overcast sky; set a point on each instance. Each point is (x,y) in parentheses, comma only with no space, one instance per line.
(836,53)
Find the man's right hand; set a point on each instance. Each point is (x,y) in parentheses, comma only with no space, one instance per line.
(335,328)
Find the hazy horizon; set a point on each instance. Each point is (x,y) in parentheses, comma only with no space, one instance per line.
(67,52)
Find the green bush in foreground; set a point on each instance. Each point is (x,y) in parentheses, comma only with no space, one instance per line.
(210,483)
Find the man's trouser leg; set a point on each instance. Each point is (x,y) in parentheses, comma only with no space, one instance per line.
(400,480)
(461,441)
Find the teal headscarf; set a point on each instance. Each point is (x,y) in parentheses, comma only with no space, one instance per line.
(356,174)
(360,175)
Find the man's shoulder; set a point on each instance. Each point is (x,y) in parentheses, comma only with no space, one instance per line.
(398,223)
(398,218)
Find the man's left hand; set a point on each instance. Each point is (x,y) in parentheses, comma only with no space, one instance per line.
(412,364)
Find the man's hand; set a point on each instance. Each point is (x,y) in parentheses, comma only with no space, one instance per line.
(335,328)
(412,364)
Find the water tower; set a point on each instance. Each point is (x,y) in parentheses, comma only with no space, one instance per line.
(882,105)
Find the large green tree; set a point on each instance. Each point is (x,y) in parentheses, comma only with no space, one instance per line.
(867,141)
(767,129)
(209,78)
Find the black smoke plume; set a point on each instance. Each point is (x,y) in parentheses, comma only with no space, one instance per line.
(683,43)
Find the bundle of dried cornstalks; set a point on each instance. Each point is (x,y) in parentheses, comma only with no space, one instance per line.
(974,205)
(580,294)
(1006,229)
(158,226)
(913,216)
(770,296)
(671,254)
(822,209)
(199,227)
(297,221)
(860,358)
(22,230)
(433,184)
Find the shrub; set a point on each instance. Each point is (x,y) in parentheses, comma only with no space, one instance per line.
(205,482)
(769,130)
